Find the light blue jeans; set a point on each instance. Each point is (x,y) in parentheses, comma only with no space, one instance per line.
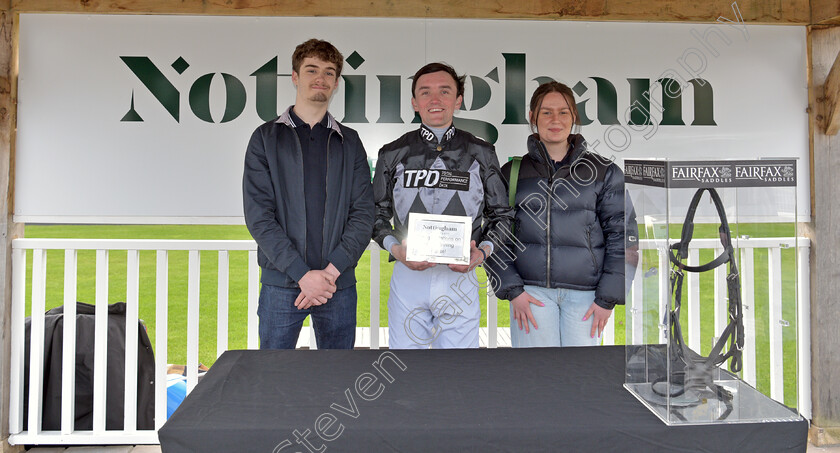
(560,321)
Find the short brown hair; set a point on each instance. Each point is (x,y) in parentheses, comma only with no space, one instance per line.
(539,95)
(320,49)
(439,67)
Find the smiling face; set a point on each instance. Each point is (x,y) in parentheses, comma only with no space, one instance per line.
(316,81)
(436,99)
(553,119)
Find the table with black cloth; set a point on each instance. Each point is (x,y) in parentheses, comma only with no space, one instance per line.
(488,400)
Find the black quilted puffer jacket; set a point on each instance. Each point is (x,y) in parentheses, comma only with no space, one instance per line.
(569,227)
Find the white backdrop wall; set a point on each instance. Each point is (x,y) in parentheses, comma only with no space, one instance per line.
(200,85)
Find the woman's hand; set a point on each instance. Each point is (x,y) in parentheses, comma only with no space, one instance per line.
(522,310)
(599,322)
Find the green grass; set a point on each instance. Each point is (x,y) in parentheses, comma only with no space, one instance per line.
(177,309)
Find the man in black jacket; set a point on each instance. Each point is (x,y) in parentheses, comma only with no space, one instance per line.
(308,204)
(437,305)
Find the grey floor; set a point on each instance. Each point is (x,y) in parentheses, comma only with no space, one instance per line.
(105,449)
(156,449)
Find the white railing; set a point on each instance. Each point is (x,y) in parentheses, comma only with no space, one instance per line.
(373,337)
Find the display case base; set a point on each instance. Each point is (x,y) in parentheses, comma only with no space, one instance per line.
(691,407)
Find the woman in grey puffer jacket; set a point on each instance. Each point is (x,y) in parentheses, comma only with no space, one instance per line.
(563,269)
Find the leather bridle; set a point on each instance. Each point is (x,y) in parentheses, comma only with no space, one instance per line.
(697,373)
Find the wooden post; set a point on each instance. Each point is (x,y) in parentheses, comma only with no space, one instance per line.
(8,229)
(831,94)
(823,48)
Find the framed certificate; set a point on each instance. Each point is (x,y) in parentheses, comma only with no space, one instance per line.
(438,238)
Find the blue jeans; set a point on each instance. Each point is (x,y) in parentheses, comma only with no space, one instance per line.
(280,321)
(560,321)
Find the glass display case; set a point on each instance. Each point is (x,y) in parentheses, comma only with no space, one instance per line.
(711,315)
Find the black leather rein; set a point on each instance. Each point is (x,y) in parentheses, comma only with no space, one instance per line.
(697,373)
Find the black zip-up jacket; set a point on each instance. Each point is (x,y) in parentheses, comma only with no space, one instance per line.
(458,176)
(575,243)
(275,206)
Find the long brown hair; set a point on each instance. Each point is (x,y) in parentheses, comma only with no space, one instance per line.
(539,95)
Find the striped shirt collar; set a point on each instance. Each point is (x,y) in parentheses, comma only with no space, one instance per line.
(286,118)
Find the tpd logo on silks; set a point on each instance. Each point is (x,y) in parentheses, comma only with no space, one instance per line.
(437,179)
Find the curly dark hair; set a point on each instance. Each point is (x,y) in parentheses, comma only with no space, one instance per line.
(320,49)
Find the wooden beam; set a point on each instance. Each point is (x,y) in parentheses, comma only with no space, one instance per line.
(823,47)
(6,76)
(8,229)
(752,11)
(831,92)
(825,12)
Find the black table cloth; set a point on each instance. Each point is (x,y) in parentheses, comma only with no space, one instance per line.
(489,400)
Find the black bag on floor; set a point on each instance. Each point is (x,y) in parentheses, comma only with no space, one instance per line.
(115,392)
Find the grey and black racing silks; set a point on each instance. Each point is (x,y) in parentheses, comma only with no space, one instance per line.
(459,175)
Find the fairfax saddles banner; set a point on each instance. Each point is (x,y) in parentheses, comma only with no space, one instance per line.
(145,119)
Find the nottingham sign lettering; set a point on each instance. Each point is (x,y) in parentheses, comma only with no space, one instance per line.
(263,82)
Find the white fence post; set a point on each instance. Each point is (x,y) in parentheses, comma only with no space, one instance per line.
(132,318)
(747,270)
(313,343)
(68,358)
(253,300)
(222,304)
(664,294)
(774,289)
(492,319)
(100,342)
(721,299)
(193,291)
(374,295)
(803,325)
(608,336)
(36,339)
(693,308)
(161,334)
(637,306)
